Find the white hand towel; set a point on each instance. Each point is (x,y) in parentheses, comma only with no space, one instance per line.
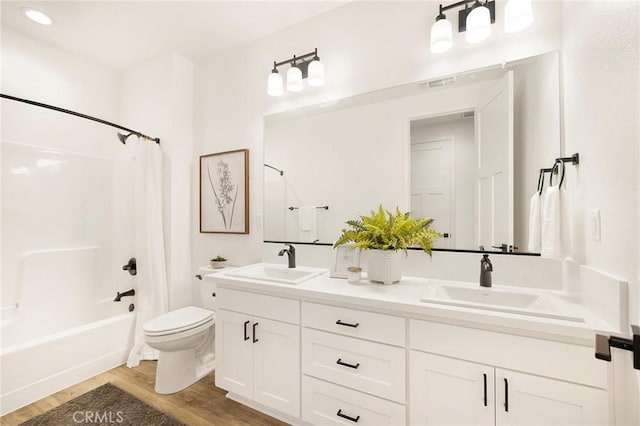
(550,244)
(307,224)
(535,213)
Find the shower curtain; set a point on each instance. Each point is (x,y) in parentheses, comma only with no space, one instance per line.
(151,291)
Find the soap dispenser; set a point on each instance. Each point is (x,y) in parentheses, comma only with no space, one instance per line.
(485,271)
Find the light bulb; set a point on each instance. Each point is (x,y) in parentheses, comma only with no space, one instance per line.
(478,25)
(441,36)
(275,86)
(37,16)
(315,73)
(294,79)
(517,15)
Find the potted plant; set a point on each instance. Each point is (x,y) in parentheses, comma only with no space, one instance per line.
(384,234)
(218,262)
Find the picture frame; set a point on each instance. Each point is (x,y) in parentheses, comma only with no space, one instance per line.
(224,192)
(344,257)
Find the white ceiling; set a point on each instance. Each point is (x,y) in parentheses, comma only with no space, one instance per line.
(120,34)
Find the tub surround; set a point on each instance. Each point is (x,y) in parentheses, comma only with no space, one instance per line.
(298,330)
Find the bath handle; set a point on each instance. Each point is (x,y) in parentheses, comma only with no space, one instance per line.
(131,266)
(246,337)
(254,332)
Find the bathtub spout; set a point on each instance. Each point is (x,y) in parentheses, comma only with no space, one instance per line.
(119,296)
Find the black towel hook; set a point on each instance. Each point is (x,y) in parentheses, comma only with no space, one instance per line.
(541,179)
(556,170)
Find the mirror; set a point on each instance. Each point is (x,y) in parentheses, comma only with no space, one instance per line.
(342,159)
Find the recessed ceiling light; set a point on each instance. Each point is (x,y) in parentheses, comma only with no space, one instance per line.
(37,16)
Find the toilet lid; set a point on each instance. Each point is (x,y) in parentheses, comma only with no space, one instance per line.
(178,320)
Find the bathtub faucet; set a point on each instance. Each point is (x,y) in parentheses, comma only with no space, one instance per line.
(119,296)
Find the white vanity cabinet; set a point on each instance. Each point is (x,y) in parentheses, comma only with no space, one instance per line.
(257,356)
(325,353)
(445,390)
(354,366)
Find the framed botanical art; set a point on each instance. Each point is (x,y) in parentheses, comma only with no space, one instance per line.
(224,192)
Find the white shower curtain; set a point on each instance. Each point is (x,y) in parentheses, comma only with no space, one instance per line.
(151,280)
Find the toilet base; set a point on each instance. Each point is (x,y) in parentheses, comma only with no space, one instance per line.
(177,371)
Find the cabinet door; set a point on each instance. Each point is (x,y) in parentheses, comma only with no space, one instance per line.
(276,365)
(234,353)
(524,399)
(447,391)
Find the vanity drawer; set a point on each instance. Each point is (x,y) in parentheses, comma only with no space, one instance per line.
(352,322)
(260,305)
(328,404)
(375,368)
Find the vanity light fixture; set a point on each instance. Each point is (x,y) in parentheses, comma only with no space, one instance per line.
(307,66)
(476,20)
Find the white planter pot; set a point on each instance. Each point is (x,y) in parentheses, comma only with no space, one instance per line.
(218,264)
(384,266)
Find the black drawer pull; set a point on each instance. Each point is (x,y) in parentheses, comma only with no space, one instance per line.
(254,332)
(246,323)
(485,389)
(355,367)
(506,396)
(344,416)
(346,324)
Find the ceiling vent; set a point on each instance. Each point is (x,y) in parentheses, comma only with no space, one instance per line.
(438,83)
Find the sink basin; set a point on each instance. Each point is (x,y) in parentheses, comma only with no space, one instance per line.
(276,273)
(501,299)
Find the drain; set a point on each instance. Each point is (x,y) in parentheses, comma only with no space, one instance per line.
(132,307)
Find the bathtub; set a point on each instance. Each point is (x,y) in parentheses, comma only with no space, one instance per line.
(67,229)
(37,368)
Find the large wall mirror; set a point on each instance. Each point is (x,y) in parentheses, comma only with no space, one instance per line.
(465,150)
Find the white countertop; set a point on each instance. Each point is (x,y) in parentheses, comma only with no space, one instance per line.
(404,297)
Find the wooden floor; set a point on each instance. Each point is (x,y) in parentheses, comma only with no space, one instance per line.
(199,404)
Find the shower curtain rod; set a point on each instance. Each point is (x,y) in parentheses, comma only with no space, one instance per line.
(88,117)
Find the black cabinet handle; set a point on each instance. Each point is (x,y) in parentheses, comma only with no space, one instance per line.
(355,367)
(485,389)
(346,324)
(344,416)
(246,337)
(254,332)
(506,396)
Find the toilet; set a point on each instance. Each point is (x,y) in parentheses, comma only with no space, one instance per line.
(184,339)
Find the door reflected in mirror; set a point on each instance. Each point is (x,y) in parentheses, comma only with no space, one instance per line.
(464,149)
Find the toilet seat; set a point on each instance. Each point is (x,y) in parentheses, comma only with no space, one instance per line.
(179,321)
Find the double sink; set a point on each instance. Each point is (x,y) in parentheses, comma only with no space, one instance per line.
(452,293)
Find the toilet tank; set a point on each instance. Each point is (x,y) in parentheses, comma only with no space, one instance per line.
(207,290)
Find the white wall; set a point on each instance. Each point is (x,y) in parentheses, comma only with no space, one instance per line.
(158,100)
(601,116)
(365,47)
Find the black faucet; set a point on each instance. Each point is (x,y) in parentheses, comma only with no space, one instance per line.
(119,296)
(485,271)
(291,254)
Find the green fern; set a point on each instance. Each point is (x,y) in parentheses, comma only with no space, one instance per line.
(384,230)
